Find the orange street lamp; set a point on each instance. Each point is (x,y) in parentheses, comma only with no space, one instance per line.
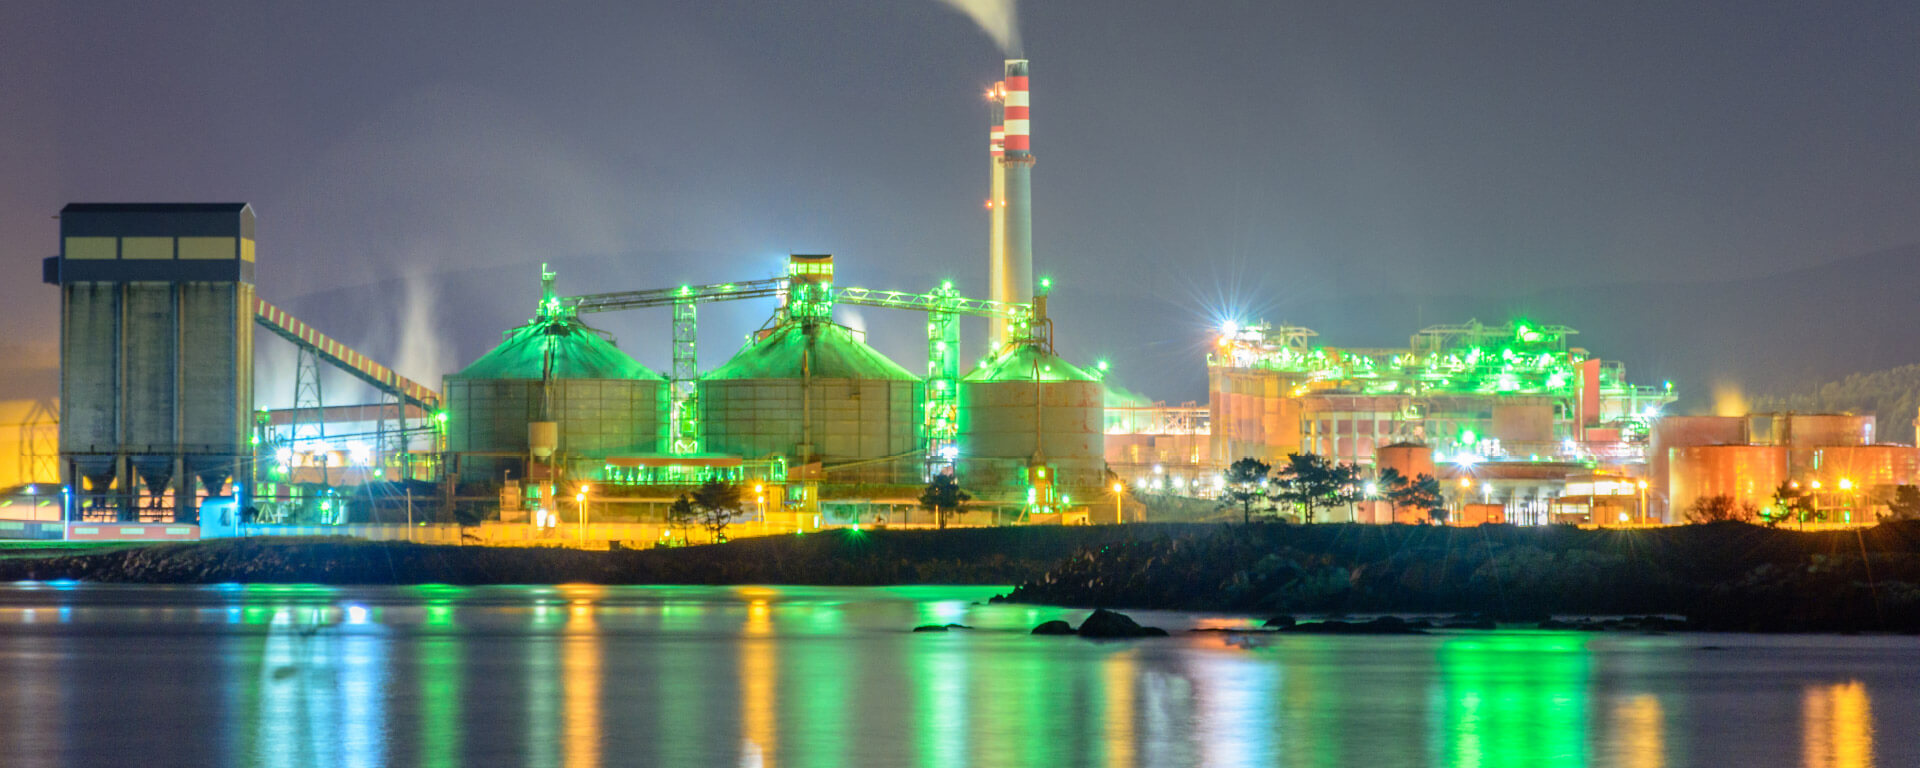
(581,497)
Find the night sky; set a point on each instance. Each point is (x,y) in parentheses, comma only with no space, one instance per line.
(412,164)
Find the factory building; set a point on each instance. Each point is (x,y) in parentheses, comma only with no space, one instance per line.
(1510,392)
(1505,416)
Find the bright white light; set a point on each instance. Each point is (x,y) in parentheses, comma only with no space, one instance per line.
(360,453)
(1467,459)
(284,455)
(1230,328)
(1372,489)
(950,452)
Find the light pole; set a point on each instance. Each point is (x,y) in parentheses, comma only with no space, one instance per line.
(1643,501)
(1846,487)
(1118,490)
(581,497)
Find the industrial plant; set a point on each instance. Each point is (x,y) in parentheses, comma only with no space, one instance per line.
(557,428)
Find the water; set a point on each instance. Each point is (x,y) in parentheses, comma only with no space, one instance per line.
(800,676)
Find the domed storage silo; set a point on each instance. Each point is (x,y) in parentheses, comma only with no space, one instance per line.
(816,381)
(601,400)
(1026,404)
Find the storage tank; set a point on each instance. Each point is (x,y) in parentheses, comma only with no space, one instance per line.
(1672,432)
(1027,403)
(1411,460)
(1748,473)
(817,381)
(603,402)
(1806,431)
(1866,466)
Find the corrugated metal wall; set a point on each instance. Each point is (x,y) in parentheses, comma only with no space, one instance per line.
(853,420)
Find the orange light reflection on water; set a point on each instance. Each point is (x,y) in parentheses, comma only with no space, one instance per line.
(1837,721)
(758,715)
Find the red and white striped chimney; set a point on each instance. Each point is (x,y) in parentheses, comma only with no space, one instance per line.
(1012,273)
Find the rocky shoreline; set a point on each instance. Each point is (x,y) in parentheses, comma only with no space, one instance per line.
(1721,577)
(985,556)
(1729,576)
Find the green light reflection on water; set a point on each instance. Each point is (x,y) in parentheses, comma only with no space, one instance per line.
(440,665)
(1512,699)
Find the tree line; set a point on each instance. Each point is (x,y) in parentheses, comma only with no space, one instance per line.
(1311,483)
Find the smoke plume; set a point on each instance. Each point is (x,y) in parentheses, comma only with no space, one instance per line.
(996,18)
(1729,400)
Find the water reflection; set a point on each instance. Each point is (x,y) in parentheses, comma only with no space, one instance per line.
(586,676)
(1640,729)
(757,682)
(1838,726)
(1513,699)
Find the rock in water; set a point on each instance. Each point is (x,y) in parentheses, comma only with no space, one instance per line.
(1385,625)
(1055,627)
(931,628)
(1105,623)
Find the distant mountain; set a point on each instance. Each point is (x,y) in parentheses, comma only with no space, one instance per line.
(1890,395)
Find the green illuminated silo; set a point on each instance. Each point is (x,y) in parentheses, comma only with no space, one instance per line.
(554,368)
(1027,406)
(816,388)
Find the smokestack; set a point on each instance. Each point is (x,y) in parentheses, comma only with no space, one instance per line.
(999,278)
(1013,265)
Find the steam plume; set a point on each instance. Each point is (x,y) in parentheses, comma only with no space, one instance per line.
(1729,400)
(996,18)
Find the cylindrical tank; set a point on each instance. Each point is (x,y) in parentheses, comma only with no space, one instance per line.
(1411,460)
(1026,404)
(601,401)
(1866,466)
(152,325)
(1672,432)
(1748,473)
(1806,431)
(90,380)
(543,438)
(815,388)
